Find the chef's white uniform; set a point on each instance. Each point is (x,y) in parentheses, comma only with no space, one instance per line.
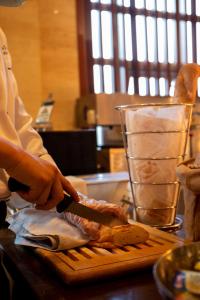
(15,122)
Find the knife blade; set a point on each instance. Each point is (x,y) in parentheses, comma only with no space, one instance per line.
(70,205)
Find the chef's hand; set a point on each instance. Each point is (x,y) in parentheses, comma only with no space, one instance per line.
(46,183)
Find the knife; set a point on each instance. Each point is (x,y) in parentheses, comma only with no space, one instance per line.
(70,205)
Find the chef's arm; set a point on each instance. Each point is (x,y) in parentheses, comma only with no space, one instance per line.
(46,184)
(30,139)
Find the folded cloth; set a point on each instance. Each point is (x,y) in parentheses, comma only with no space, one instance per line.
(188,174)
(45,229)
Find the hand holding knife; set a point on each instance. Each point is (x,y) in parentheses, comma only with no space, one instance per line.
(14,186)
(70,205)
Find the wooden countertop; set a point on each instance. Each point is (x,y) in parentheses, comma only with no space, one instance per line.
(35,281)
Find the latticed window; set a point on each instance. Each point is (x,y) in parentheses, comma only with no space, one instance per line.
(136,46)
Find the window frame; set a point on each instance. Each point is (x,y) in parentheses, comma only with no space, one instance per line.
(132,68)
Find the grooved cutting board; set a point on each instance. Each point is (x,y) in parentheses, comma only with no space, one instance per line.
(89,263)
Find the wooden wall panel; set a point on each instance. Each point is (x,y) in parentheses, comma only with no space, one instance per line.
(21,27)
(43,42)
(59,57)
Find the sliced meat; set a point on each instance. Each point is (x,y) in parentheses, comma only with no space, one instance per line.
(119,236)
(103,236)
(92,228)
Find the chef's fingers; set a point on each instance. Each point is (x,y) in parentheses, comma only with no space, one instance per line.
(55,196)
(68,188)
(38,196)
(25,196)
(39,193)
(52,193)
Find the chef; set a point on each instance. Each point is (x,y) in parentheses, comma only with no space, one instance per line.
(22,154)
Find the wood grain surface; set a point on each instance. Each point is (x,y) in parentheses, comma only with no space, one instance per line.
(89,263)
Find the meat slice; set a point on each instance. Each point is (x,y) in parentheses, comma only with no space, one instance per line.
(103,236)
(92,229)
(119,236)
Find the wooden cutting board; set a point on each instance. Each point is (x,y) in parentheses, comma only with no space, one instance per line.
(89,263)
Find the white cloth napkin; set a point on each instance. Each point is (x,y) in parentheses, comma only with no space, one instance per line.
(45,229)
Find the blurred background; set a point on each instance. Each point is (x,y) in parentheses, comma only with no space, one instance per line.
(88,56)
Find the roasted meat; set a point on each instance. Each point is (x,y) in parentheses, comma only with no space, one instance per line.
(103,236)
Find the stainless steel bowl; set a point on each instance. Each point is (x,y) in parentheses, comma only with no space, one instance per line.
(170,263)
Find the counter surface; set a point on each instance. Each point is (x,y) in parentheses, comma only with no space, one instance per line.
(35,281)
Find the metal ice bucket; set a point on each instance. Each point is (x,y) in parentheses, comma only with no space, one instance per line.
(155,138)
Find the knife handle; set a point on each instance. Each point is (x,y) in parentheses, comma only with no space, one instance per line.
(14,186)
(63,204)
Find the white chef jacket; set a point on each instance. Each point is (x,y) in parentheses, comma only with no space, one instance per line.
(15,122)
